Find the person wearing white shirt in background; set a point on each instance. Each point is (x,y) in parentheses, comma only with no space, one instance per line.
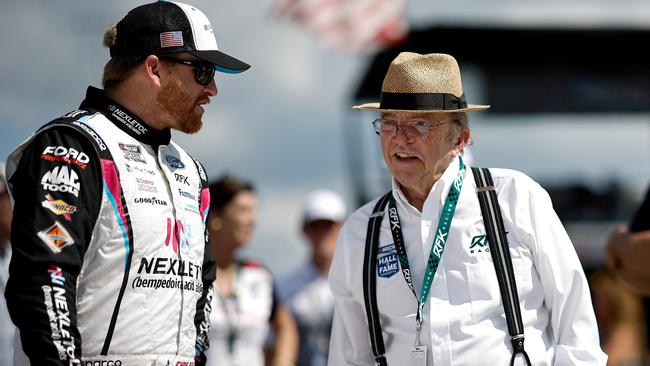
(422,129)
(305,292)
(7,328)
(245,306)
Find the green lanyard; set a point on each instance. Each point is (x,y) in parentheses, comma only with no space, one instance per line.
(437,247)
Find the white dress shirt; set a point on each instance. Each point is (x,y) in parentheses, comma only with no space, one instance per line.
(464,321)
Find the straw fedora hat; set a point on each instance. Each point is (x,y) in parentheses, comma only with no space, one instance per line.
(422,83)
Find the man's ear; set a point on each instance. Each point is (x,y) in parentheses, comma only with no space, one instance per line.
(463,138)
(152,68)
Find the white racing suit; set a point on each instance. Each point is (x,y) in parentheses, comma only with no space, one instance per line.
(111,264)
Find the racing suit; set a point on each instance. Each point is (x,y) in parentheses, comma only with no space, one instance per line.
(111,264)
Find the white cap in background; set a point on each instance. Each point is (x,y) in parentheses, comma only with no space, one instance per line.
(323,205)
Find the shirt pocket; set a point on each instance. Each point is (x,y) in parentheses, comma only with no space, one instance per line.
(485,295)
(395,299)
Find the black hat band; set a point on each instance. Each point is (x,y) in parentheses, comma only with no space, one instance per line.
(421,101)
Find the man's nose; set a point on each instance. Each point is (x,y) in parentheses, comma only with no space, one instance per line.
(211,88)
(402,134)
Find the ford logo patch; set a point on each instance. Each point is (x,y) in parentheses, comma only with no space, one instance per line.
(174,162)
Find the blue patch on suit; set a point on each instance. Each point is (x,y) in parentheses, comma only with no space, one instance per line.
(387,262)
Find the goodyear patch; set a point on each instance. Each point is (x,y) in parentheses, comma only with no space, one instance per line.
(387,262)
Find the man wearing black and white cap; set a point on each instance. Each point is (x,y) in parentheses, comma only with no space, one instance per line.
(110,264)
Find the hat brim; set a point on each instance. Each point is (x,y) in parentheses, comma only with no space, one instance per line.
(375,107)
(222,62)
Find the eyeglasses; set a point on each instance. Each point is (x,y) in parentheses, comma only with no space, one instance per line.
(203,71)
(411,128)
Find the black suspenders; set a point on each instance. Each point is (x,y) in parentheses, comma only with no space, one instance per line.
(369,280)
(496,237)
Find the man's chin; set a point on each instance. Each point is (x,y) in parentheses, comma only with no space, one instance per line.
(192,127)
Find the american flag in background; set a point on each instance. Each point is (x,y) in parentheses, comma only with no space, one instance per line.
(171,39)
(349,25)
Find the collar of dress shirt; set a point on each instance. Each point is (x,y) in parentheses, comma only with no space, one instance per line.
(438,192)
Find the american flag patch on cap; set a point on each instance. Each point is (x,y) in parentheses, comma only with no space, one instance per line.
(171,39)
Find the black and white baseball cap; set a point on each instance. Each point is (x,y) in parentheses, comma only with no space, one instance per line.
(166,27)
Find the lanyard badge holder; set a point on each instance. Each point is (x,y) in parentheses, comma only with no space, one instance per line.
(418,355)
(418,351)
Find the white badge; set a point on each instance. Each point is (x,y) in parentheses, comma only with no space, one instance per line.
(418,356)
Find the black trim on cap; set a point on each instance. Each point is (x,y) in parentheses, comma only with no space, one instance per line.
(422,101)
(222,62)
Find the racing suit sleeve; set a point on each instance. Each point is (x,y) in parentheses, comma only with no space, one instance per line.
(203,305)
(57,191)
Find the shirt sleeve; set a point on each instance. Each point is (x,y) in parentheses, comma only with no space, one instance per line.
(57,194)
(566,290)
(350,338)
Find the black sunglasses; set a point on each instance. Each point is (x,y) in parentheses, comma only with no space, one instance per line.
(203,71)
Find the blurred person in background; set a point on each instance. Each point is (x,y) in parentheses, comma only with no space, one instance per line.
(110,263)
(628,255)
(245,305)
(306,292)
(438,298)
(621,323)
(628,249)
(7,329)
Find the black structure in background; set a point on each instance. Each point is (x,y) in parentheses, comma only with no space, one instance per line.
(535,71)
(538,70)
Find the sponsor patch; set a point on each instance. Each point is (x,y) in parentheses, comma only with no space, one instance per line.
(126,119)
(180,178)
(92,133)
(67,155)
(58,313)
(61,179)
(102,362)
(192,208)
(174,162)
(133,168)
(387,262)
(56,237)
(146,185)
(151,200)
(186,194)
(74,114)
(202,172)
(59,207)
(132,152)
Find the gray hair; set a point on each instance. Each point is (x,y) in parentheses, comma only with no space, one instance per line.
(459,121)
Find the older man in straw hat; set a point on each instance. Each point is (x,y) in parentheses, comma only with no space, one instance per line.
(421,286)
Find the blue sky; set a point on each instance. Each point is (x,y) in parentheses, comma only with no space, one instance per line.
(283,123)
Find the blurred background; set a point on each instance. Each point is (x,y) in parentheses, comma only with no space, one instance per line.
(569,82)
